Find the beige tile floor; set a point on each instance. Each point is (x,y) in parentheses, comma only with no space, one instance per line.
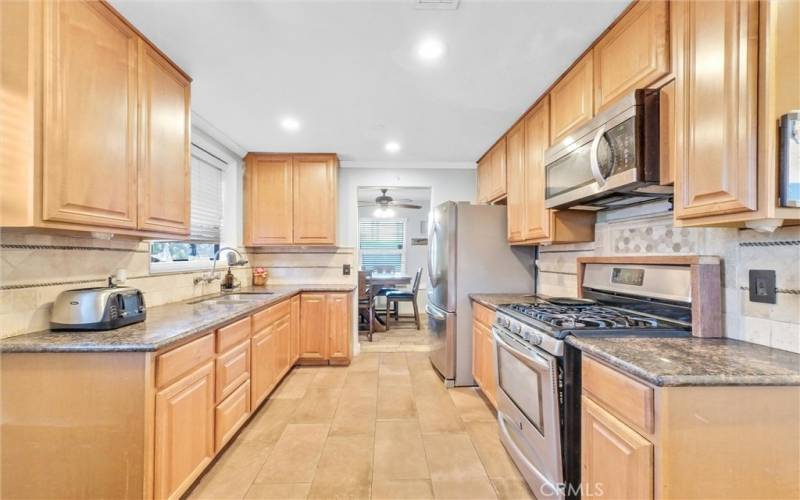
(383,428)
(401,337)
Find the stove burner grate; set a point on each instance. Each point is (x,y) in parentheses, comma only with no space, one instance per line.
(583,316)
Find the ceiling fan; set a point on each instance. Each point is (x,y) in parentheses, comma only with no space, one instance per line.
(385,201)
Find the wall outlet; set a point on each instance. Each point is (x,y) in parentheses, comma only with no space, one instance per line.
(346,269)
(762,286)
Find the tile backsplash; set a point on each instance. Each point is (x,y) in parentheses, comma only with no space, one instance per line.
(36,267)
(775,325)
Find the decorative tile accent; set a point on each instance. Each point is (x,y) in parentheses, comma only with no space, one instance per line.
(650,239)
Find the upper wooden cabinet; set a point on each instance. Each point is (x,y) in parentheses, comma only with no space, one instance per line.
(89,116)
(101,121)
(492,174)
(716,107)
(571,100)
(164,170)
(529,222)
(290,199)
(633,54)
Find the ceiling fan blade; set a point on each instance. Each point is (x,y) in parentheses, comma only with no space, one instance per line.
(404,205)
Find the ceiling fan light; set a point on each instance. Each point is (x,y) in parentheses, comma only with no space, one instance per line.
(383,213)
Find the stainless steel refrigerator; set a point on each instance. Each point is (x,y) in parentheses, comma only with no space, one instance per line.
(468,252)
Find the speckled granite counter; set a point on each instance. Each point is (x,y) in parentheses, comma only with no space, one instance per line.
(492,300)
(164,325)
(694,361)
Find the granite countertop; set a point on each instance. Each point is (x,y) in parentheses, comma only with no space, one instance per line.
(492,300)
(694,361)
(165,324)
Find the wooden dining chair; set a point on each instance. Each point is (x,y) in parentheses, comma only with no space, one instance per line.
(366,303)
(397,296)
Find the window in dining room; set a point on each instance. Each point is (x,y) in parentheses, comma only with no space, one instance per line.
(382,244)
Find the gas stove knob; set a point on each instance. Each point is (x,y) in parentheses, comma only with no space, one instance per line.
(535,339)
(504,322)
(515,328)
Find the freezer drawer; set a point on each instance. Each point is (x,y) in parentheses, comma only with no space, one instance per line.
(442,326)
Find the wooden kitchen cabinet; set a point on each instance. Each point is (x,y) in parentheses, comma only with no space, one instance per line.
(613,456)
(633,54)
(283,332)
(264,354)
(89,116)
(184,431)
(515,174)
(640,441)
(164,169)
(325,328)
(230,415)
(294,346)
(716,107)
(290,199)
(492,174)
(101,121)
(483,360)
(571,99)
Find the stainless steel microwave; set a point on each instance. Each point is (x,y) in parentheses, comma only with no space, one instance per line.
(612,161)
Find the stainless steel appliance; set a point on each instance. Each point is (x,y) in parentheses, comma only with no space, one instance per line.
(789,160)
(611,161)
(468,252)
(538,374)
(101,308)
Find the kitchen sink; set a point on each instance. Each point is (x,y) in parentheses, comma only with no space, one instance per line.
(231,298)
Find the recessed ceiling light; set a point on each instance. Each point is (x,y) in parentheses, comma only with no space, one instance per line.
(290,124)
(392,146)
(430,49)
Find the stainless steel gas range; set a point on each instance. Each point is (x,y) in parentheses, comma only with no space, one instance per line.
(538,373)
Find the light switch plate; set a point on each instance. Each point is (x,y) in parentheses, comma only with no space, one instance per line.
(762,286)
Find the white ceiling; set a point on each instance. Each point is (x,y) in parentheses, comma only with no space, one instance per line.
(347,70)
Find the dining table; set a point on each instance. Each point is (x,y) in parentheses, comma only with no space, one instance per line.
(378,281)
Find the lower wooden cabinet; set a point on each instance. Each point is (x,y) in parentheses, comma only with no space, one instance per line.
(264,352)
(483,361)
(184,431)
(294,344)
(614,458)
(231,414)
(325,328)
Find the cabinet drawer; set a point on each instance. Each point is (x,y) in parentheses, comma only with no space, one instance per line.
(233,334)
(630,400)
(231,414)
(270,315)
(482,314)
(233,368)
(173,364)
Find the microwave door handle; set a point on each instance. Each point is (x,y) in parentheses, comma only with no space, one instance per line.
(595,164)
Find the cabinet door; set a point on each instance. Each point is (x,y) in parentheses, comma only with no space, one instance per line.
(571,101)
(283,332)
(164,172)
(484,178)
(537,140)
(263,365)
(89,116)
(313,326)
(231,414)
(488,364)
(295,315)
(515,174)
(477,356)
(184,431)
(715,107)
(339,327)
(633,54)
(314,200)
(498,170)
(268,210)
(613,456)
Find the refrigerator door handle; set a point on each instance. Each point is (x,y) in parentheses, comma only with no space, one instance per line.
(435,313)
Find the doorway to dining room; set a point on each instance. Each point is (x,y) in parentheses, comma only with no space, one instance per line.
(392,259)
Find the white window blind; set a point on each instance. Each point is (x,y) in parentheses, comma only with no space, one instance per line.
(206,199)
(382,244)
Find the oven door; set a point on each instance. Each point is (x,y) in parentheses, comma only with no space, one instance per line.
(528,412)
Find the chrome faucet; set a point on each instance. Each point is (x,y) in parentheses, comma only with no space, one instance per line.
(211,275)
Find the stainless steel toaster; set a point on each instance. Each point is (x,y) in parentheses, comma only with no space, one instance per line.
(101,308)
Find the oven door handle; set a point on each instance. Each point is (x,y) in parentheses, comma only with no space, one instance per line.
(593,161)
(529,357)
